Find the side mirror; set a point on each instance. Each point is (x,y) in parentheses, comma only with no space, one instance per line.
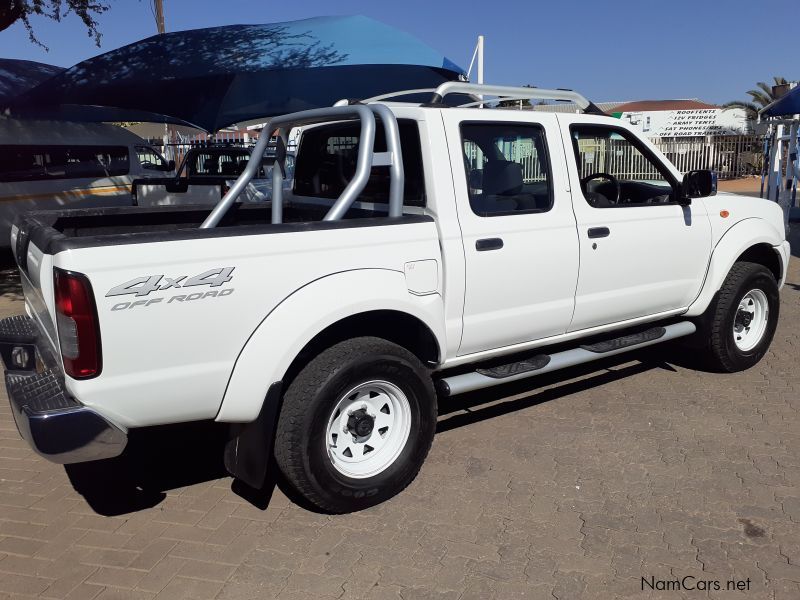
(171,165)
(699,184)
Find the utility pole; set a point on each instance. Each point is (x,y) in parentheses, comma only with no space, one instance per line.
(159,10)
(479,50)
(480,63)
(478,53)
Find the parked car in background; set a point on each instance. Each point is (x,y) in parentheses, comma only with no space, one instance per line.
(204,176)
(58,164)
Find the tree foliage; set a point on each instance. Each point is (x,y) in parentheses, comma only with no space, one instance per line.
(759,98)
(12,11)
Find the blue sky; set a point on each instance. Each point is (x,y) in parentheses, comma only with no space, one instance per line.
(608,50)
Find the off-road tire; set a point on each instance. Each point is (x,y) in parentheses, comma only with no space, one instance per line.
(301,435)
(722,353)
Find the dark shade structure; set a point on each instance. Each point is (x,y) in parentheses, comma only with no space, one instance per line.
(789,104)
(211,78)
(19,76)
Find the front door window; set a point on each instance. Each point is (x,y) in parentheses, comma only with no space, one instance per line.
(616,171)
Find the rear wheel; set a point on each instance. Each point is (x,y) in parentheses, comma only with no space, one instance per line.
(743,319)
(356,424)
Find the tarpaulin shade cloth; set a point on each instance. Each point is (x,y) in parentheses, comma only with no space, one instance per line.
(214,77)
(19,76)
(789,104)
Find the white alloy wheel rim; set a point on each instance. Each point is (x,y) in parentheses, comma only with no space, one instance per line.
(368,429)
(750,322)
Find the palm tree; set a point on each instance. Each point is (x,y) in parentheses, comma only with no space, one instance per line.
(760,98)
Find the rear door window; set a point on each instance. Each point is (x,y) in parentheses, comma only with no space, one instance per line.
(508,171)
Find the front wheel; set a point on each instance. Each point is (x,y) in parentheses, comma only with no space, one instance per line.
(356,424)
(743,318)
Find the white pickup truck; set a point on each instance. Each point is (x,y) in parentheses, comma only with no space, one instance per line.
(423,250)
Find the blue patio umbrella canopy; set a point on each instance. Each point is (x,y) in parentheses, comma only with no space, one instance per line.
(19,76)
(788,104)
(211,78)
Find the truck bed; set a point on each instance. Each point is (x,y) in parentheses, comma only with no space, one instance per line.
(59,230)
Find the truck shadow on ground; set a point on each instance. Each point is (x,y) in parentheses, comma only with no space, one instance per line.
(507,398)
(161,459)
(156,460)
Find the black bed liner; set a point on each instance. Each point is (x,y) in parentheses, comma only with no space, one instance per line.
(55,231)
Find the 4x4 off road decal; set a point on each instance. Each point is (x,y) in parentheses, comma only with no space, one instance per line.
(144,286)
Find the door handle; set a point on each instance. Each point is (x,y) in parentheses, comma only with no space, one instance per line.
(599,232)
(488,244)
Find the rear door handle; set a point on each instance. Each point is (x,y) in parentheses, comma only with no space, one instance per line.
(488,244)
(599,232)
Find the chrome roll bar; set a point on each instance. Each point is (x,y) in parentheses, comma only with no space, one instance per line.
(282,124)
(502,91)
(395,158)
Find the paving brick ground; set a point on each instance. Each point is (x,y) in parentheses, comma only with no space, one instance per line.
(637,468)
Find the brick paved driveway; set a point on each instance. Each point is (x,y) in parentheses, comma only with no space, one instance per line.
(577,489)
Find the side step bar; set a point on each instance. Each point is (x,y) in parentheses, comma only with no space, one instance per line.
(483,378)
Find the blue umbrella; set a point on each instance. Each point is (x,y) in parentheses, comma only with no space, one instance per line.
(19,76)
(788,104)
(211,78)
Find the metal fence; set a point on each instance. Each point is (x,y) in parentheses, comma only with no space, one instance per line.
(177,150)
(731,156)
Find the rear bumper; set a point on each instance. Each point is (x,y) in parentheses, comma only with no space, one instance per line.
(55,425)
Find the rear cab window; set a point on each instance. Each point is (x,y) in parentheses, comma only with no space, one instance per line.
(218,163)
(326,162)
(150,159)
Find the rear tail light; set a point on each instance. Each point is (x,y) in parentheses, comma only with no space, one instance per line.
(225,188)
(78,329)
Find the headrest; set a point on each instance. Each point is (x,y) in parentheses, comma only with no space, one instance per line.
(502,178)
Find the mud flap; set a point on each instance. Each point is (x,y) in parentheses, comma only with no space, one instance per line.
(249,450)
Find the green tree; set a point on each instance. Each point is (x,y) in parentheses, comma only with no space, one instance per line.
(759,98)
(12,11)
